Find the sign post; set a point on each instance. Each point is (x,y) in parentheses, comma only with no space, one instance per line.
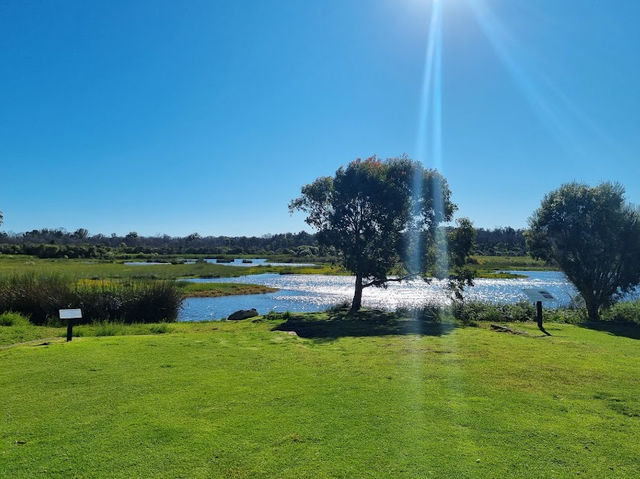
(538,296)
(70,315)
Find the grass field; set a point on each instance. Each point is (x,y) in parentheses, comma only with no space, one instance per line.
(510,263)
(370,396)
(11,264)
(486,267)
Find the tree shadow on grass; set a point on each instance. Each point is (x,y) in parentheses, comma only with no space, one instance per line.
(338,324)
(627,329)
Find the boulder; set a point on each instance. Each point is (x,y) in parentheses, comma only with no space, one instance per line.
(243,314)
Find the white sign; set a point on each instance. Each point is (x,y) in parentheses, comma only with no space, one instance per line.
(70,313)
(536,295)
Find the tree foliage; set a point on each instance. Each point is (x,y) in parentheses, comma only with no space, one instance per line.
(461,242)
(372,211)
(593,235)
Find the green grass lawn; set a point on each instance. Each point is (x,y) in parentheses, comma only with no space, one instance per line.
(372,396)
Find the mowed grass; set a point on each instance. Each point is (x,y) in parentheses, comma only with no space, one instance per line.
(249,399)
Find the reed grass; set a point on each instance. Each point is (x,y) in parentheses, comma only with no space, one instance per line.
(40,296)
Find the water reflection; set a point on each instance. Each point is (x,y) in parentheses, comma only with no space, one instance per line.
(300,293)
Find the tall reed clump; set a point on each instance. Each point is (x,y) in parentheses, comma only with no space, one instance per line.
(132,302)
(40,297)
(37,296)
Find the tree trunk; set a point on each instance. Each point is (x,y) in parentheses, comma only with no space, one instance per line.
(356,304)
(592,311)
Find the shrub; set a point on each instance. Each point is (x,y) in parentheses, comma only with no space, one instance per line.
(628,312)
(108,329)
(274,316)
(159,328)
(476,311)
(341,306)
(13,319)
(39,297)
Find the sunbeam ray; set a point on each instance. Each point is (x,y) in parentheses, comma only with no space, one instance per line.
(571,127)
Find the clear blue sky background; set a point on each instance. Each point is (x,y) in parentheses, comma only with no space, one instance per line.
(174,117)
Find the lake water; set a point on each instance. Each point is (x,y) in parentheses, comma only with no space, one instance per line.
(257,262)
(235,262)
(142,263)
(306,293)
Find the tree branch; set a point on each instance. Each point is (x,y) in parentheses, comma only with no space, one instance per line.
(380,282)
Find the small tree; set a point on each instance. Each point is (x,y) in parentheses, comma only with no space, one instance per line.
(461,242)
(369,209)
(594,236)
(80,234)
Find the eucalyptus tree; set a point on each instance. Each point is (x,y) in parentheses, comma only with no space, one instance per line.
(593,235)
(378,214)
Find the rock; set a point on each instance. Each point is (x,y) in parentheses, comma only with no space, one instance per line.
(243,314)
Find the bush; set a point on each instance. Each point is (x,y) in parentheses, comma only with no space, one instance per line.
(13,319)
(36,296)
(274,316)
(477,311)
(159,328)
(627,312)
(567,315)
(108,329)
(39,297)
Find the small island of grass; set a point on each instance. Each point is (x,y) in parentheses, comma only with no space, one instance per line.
(214,290)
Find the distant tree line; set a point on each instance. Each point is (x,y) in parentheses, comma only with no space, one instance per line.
(58,243)
(500,242)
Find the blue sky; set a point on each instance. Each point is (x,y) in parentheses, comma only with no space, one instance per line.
(175,117)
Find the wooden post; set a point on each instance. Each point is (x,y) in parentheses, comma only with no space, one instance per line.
(539,318)
(69,329)
(70,315)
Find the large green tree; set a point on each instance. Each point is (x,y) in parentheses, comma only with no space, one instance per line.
(379,214)
(593,235)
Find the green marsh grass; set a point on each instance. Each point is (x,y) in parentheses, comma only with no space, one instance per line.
(40,296)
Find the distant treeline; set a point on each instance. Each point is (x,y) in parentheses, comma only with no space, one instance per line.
(500,242)
(58,243)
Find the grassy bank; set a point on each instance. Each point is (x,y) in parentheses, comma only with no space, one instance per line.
(214,290)
(509,263)
(18,264)
(486,267)
(342,397)
(40,296)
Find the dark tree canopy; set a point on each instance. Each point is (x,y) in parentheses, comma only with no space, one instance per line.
(593,234)
(367,210)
